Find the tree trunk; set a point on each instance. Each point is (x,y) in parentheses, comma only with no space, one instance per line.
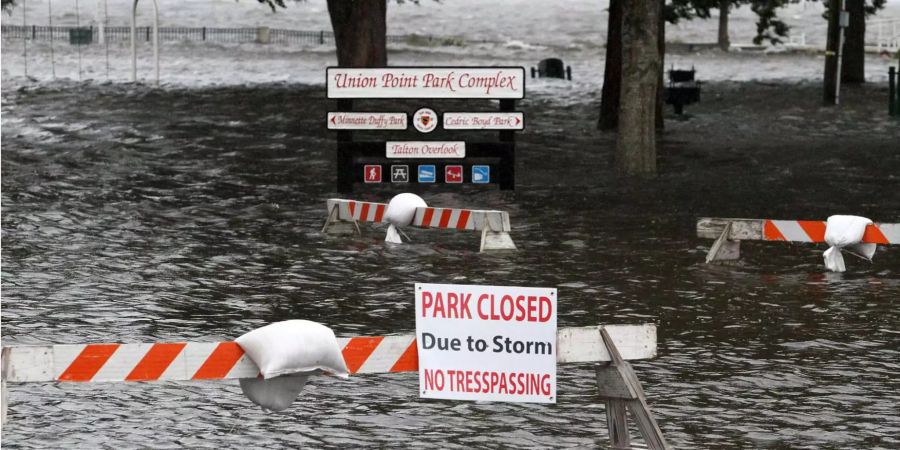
(360,32)
(853,69)
(830,78)
(660,87)
(636,143)
(612,72)
(724,41)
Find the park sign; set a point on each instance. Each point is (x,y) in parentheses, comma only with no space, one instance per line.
(493,343)
(484,121)
(432,147)
(426,82)
(366,121)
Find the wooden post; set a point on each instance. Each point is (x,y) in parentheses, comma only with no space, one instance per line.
(4,366)
(893,96)
(617,422)
(263,36)
(507,172)
(333,224)
(344,154)
(620,387)
(724,249)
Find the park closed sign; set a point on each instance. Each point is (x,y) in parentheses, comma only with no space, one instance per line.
(493,343)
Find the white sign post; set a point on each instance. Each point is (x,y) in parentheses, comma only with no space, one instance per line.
(494,343)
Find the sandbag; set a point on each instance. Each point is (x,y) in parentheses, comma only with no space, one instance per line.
(401,209)
(275,394)
(293,346)
(400,212)
(392,236)
(287,354)
(845,232)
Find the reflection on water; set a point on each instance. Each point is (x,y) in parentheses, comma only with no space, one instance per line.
(138,215)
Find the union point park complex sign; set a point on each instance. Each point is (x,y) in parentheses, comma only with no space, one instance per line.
(414,159)
(427,82)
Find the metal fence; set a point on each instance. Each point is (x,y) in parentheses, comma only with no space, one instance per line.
(123,34)
(230,35)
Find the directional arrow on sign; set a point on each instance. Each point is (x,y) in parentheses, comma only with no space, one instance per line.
(512,120)
(366,120)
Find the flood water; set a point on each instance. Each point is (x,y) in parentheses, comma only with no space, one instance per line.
(138,215)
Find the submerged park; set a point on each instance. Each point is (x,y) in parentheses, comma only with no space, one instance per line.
(505,224)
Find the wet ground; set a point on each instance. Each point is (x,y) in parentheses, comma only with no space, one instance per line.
(131,214)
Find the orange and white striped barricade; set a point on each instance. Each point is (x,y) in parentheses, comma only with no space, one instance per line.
(729,233)
(344,217)
(191,361)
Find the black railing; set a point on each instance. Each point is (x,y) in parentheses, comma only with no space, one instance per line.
(116,34)
(229,35)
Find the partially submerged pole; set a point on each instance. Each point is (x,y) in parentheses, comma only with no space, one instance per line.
(134,40)
(50,24)
(620,387)
(78,27)
(24,39)
(843,21)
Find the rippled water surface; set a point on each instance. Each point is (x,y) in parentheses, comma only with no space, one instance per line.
(132,214)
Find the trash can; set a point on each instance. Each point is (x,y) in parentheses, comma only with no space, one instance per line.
(81,36)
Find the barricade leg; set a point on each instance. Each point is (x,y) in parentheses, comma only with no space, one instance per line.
(333,225)
(496,240)
(724,249)
(617,422)
(5,402)
(621,389)
(3,393)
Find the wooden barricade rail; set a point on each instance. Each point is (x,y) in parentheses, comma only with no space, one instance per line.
(188,361)
(494,225)
(729,233)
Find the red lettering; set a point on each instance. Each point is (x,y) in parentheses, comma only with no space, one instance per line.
(439,306)
(507,306)
(464,305)
(520,309)
(481,314)
(434,380)
(546,309)
(427,301)
(532,308)
(450,374)
(452,301)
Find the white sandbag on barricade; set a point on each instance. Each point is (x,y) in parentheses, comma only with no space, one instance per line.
(287,354)
(845,232)
(275,394)
(400,213)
